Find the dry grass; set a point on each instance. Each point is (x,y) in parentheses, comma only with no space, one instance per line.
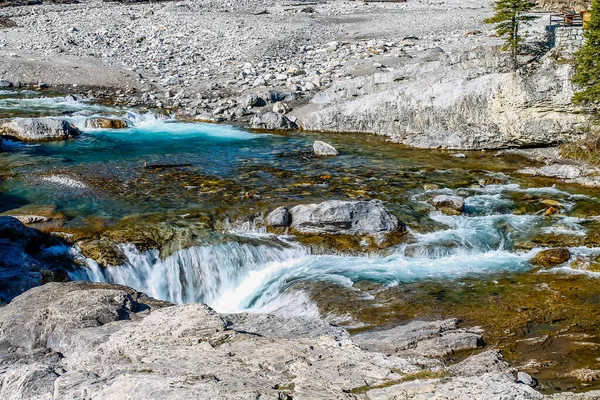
(587,150)
(423,374)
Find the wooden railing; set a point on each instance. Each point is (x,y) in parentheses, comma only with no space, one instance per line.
(567,18)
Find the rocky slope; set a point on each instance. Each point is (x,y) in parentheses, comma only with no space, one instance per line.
(105,341)
(461,106)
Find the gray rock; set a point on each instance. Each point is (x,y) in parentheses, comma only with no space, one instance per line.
(324,149)
(252,100)
(275,96)
(526,379)
(424,338)
(5,84)
(23,257)
(562,171)
(24,323)
(279,218)
(344,217)
(449,343)
(284,327)
(271,121)
(281,108)
(38,129)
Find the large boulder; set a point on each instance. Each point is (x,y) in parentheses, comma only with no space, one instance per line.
(38,129)
(466,102)
(271,121)
(423,338)
(345,218)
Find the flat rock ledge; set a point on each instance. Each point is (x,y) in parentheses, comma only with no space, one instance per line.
(106,341)
(38,129)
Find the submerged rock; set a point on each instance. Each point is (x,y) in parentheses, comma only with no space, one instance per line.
(38,129)
(430,187)
(272,121)
(552,257)
(106,123)
(345,218)
(324,149)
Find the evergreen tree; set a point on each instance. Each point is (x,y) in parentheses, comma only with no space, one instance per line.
(510,15)
(587,70)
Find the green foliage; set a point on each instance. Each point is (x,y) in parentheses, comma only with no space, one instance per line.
(587,69)
(510,15)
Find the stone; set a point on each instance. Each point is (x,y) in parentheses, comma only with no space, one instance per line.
(252,100)
(552,257)
(23,254)
(279,218)
(324,149)
(448,203)
(276,96)
(5,84)
(526,379)
(38,129)
(430,187)
(31,219)
(281,108)
(550,203)
(344,217)
(106,123)
(423,338)
(470,110)
(271,121)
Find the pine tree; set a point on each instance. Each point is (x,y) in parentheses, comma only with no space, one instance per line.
(510,15)
(587,69)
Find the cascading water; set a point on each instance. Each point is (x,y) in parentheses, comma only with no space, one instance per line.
(233,277)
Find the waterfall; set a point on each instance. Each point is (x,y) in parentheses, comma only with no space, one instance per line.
(197,274)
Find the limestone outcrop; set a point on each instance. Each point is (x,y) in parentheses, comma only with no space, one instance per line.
(468,103)
(38,129)
(111,342)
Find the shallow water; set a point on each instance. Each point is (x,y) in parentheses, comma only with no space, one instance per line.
(162,171)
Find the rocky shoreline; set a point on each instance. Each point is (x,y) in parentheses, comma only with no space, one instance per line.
(337,66)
